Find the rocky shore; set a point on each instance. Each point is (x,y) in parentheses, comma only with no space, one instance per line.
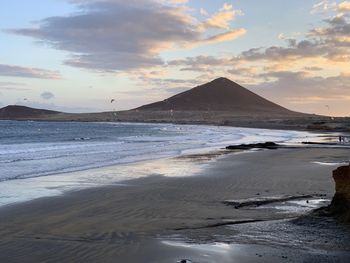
(340,206)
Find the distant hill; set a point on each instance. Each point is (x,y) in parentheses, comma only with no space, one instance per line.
(220,94)
(219,102)
(19,112)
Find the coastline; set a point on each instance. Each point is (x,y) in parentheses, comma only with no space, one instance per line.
(60,184)
(298,122)
(105,223)
(127,158)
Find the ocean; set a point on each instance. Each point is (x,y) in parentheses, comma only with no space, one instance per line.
(45,150)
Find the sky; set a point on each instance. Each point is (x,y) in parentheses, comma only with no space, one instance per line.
(78,55)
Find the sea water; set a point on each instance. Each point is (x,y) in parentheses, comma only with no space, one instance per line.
(39,154)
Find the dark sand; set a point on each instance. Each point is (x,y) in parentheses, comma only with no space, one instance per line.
(151,219)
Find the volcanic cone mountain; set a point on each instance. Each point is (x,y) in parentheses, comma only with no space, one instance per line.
(220,94)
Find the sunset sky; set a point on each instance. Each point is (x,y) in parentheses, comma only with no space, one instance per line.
(77,55)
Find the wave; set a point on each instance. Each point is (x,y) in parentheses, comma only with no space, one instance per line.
(46,147)
(103,144)
(82,139)
(331,163)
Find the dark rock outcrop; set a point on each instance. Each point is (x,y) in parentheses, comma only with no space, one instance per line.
(256,202)
(265,145)
(320,143)
(340,206)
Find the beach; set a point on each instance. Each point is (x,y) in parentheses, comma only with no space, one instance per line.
(167,219)
(175,131)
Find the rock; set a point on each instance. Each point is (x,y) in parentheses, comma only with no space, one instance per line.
(340,206)
(265,145)
(256,202)
(320,143)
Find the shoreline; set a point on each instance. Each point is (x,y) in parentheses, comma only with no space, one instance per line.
(107,173)
(102,224)
(275,122)
(117,175)
(80,180)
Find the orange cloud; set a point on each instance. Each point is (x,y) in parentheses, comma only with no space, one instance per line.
(222,19)
(226,36)
(344,6)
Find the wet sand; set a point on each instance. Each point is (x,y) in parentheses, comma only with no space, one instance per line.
(166,219)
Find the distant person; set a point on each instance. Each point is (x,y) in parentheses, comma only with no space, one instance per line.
(340,139)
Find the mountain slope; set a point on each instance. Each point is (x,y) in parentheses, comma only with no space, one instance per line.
(218,95)
(17,112)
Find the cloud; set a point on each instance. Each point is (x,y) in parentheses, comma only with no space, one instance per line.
(177,2)
(165,87)
(299,91)
(337,26)
(222,19)
(323,6)
(329,43)
(295,50)
(344,6)
(203,12)
(328,5)
(306,72)
(116,35)
(327,46)
(25,72)
(199,63)
(6,83)
(47,95)
(12,86)
(226,36)
(313,68)
(242,71)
